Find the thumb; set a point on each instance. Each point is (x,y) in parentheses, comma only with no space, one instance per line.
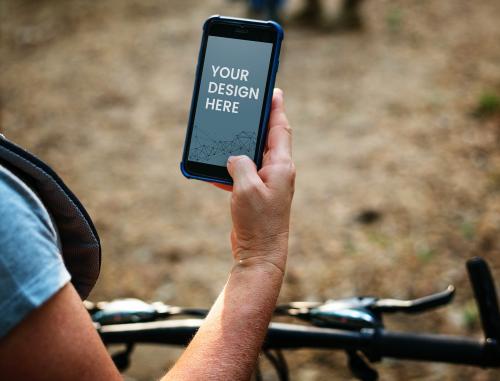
(243,171)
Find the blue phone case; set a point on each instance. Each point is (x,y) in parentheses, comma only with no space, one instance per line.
(267,106)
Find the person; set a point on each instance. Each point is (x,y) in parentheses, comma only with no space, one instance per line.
(268,9)
(46,333)
(348,19)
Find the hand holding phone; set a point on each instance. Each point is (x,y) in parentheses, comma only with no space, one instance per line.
(235,78)
(261,200)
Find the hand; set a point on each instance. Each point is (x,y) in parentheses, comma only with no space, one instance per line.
(261,200)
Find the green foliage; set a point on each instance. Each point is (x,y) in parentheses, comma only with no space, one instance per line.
(470,315)
(488,105)
(378,238)
(494,181)
(425,254)
(394,19)
(468,230)
(350,247)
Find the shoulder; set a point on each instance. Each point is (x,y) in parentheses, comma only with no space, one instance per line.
(31,266)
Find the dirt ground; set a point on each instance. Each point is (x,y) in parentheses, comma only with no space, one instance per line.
(383,126)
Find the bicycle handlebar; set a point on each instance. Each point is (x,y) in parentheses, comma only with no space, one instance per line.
(374,343)
(354,325)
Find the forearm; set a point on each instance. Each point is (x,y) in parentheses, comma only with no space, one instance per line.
(228,343)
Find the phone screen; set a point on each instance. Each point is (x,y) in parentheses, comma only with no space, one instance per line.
(230,99)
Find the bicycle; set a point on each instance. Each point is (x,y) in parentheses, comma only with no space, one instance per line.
(354,325)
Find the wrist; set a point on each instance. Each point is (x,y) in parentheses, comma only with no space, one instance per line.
(270,260)
(248,245)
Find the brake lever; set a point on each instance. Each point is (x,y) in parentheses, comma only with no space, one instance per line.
(131,310)
(416,305)
(361,312)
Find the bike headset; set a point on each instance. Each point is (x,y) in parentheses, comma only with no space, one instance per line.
(81,248)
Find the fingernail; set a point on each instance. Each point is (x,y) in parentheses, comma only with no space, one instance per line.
(230,159)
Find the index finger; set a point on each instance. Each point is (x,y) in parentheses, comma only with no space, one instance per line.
(279,138)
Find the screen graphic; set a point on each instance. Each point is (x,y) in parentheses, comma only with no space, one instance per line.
(230,99)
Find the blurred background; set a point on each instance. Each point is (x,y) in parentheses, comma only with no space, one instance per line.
(395,107)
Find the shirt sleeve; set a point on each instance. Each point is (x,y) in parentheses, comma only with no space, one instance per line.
(31,266)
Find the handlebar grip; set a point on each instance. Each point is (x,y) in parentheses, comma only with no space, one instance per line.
(436,348)
(486,296)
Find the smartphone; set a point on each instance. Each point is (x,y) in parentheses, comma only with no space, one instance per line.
(235,76)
